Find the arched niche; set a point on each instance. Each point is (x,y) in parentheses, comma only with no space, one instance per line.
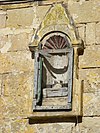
(53,72)
(56,47)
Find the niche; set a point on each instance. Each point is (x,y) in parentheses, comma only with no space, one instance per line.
(55,47)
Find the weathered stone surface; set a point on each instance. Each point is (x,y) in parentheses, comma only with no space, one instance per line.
(0,84)
(81,30)
(55,128)
(16,61)
(20,17)
(19,42)
(90,58)
(85,11)
(19,125)
(17,98)
(90,33)
(16,76)
(91,104)
(98,33)
(91,79)
(5,44)
(88,125)
(2,19)
(15,126)
(5,126)
(40,12)
(3,40)
(15,40)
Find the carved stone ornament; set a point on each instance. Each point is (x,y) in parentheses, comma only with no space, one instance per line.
(55,48)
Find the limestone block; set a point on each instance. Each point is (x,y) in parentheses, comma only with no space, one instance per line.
(19,42)
(5,31)
(17,94)
(88,125)
(0,84)
(81,30)
(98,33)
(90,58)
(2,108)
(23,126)
(55,127)
(5,44)
(2,19)
(18,125)
(91,104)
(20,17)
(5,126)
(85,11)
(90,33)
(3,40)
(16,61)
(91,79)
(40,12)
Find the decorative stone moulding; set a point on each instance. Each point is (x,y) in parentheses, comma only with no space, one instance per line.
(55,48)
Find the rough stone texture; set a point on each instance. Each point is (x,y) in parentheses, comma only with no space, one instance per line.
(39,12)
(90,33)
(20,17)
(90,58)
(17,24)
(85,11)
(3,40)
(16,62)
(88,125)
(2,19)
(91,79)
(81,30)
(91,104)
(55,128)
(19,42)
(98,33)
(0,84)
(17,89)
(17,125)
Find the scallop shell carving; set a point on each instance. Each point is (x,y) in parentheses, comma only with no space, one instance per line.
(56,42)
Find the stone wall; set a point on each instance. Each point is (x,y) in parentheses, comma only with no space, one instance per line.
(18,23)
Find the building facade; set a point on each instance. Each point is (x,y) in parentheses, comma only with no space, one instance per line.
(20,23)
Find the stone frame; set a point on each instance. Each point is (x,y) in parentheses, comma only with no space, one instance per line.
(66,26)
(69,51)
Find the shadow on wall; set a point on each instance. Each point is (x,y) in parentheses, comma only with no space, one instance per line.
(53,120)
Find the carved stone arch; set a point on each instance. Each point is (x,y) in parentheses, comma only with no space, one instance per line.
(56,40)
